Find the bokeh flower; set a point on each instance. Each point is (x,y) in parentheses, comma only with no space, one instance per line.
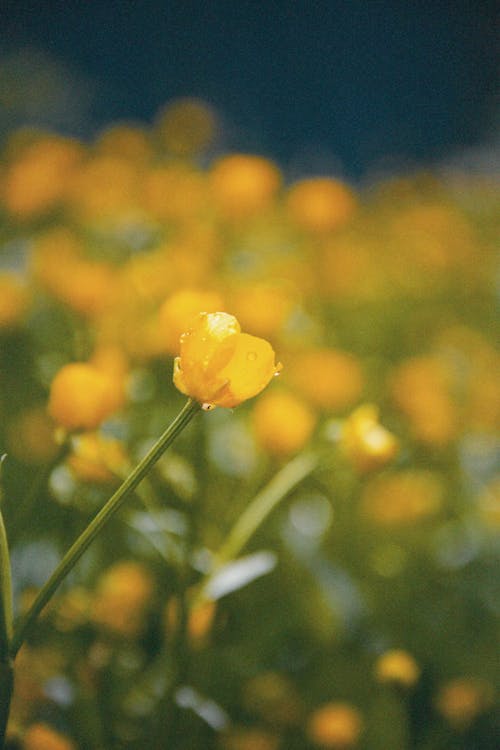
(397,667)
(82,396)
(335,725)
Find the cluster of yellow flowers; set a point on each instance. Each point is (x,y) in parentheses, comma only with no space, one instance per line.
(127,259)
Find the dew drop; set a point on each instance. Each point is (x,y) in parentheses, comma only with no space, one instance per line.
(252,356)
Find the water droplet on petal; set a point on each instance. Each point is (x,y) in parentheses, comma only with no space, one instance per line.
(252,356)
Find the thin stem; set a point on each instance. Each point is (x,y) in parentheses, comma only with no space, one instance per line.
(264,503)
(93,529)
(5,593)
(6,670)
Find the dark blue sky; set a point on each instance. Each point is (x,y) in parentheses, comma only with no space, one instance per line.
(350,80)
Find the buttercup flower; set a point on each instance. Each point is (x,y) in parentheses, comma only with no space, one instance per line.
(282,422)
(365,441)
(82,396)
(220,366)
(43,737)
(397,667)
(335,725)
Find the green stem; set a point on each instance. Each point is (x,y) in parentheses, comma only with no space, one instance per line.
(109,509)
(6,671)
(264,503)
(5,593)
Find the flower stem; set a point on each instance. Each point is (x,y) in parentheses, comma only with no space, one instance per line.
(264,503)
(6,671)
(5,593)
(93,529)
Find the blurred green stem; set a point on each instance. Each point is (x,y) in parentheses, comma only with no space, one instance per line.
(93,529)
(264,503)
(6,671)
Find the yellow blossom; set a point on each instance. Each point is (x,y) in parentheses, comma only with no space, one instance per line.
(38,180)
(328,378)
(96,458)
(174,192)
(365,441)
(402,498)
(42,737)
(221,366)
(60,265)
(263,308)
(462,699)
(335,725)
(282,422)
(82,396)
(121,598)
(243,185)
(422,388)
(320,204)
(397,667)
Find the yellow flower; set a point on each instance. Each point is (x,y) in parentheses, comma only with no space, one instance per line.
(320,204)
(365,442)
(42,737)
(328,378)
(96,458)
(220,366)
(82,396)
(402,498)
(421,388)
(335,725)
(243,185)
(461,700)
(283,423)
(122,597)
(397,667)
(38,180)
(263,307)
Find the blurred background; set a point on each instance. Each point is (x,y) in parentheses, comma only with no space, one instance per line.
(330,86)
(326,172)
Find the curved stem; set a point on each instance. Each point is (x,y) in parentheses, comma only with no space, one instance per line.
(265,502)
(5,593)
(6,670)
(109,509)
